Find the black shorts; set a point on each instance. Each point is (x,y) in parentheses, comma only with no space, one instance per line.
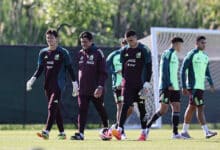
(196,97)
(117,95)
(169,96)
(131,96)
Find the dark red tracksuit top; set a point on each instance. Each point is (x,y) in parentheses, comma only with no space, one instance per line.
(92,70)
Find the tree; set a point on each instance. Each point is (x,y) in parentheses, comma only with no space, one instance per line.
(19,23)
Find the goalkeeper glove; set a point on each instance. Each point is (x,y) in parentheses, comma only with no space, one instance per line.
(75,89)
(30,83)
(144,91)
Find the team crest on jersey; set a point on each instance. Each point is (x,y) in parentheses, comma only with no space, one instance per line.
(45,57)
(91,58)
(81,58)
(138,55)
(57,57)
(126,55)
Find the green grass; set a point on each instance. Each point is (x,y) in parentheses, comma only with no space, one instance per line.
(160,139)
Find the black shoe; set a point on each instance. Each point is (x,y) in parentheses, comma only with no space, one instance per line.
(77,136)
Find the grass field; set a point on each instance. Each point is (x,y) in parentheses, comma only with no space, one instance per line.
(160,139)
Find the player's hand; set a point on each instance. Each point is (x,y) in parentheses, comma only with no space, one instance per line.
(212,88)
(29,83)
(170,88)
(146,87)
(75,89)
(119,72)
(185,91)
(143,93)
(119,87)
(98,92)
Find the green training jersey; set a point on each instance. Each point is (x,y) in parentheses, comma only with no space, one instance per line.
(169,65)
(196,66)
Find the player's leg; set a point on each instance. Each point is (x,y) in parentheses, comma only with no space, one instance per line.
(161,111)
(119,103)
(59,121)
(130,110)
(53,100)
(164,105)
(99,105)
(83,102)
(142,110)
(189,112)
(175,106)
(175,118)
(128,95)
(198,99)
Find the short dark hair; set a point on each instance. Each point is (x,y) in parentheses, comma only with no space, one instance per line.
(52,32)
(123,41)
(176,39)
(130,33)
(86,34)
(199,38)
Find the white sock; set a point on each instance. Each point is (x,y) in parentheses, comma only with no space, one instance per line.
(146,131)
(62,132)
(119,129)
(185,127)
(205,129)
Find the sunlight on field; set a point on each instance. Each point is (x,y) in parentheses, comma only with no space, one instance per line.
(159,139)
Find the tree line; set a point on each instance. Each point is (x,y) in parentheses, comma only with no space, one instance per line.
(25,21)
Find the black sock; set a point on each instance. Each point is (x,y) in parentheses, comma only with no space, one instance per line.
(153,119)
(175,121)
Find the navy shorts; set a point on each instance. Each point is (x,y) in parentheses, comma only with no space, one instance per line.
(169,96)
(196,97)
(117,95)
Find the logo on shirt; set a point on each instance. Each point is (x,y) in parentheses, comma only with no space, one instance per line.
(57,57)
(138,55)
(91,57)
(45,57)
(126,55)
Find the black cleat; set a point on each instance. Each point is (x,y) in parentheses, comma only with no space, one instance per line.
(210,134)
(77,136)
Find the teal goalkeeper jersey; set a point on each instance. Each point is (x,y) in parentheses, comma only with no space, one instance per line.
(115,67)
(195,69)
(169,65)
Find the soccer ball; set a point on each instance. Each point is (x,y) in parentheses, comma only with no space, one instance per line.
(105,134)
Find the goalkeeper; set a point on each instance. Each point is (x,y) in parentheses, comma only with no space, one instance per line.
(54,61)
(115,67)
(136,73)
(169,86)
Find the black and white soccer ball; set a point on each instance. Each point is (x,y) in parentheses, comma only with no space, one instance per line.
(105,134)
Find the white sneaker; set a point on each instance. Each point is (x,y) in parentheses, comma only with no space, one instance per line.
(177,136)
(185,135)
(123,137)
(210,134)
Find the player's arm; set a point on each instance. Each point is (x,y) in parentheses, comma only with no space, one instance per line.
(102,74)
(102,69)
(209,78)
(122,59)
(109,63)
(68,65)
(166,70)
(147,65)
(186,62)
(147,70)
(37,73)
